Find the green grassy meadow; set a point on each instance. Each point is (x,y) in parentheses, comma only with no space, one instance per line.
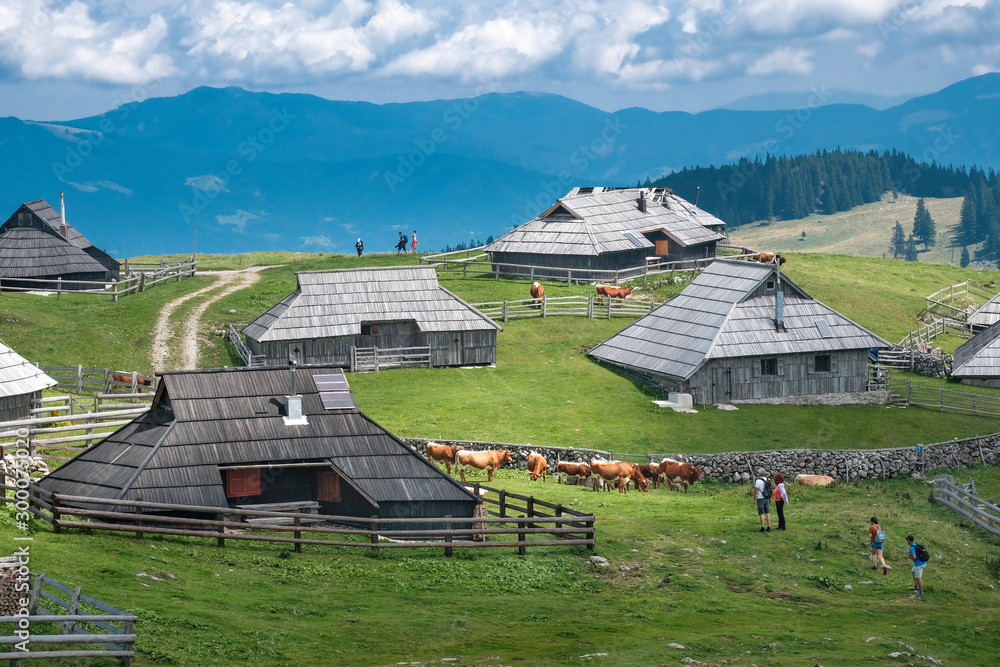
(686,569)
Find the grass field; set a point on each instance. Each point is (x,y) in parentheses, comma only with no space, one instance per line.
(864,231)
(685,569)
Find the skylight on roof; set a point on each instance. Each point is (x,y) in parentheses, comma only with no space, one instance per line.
(634,239)
(824,329)
(337,400)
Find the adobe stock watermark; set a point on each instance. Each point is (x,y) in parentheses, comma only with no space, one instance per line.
(899,16)
(453,118)
(944,139)
(22,521)
(598,148)
(713,29)
(248,150)
(786,127)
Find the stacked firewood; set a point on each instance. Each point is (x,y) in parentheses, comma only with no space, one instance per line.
(8,578)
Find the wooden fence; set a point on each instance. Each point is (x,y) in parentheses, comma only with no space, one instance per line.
(536,528)
(69,433)
(941,399)
(963,499)
(369,359)
(100,625)
(582,306)
(942,303)
(235,335)
(81,380)
(135,282)
(925,333)
(480,265)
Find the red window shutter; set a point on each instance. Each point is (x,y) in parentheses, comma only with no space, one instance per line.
(241,483)
(328,486)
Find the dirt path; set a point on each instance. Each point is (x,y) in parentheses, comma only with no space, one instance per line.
(184,348)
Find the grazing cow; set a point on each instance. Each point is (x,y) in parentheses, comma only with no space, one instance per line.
(578,471)
(489,460)
(444,453)
(537,292)
(537,466)
(622,471)
(814,480)
(767,258)
(611,292)
(127,379)
(652,473)
(675,474)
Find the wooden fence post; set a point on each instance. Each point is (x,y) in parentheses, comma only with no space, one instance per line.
(531,510)
(138,523)
(503,502)
(505,311)
(374,537)
(74,609)
(59,289)
(79,378)
(569,277)
(114,290)
(298,535)
(221,542)
(128,628)
(590,306)
(522,548)
(559,512)
(544,305)
(593,537)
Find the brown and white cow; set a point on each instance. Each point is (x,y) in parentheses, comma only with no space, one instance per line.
(611,292)
(537,466)
(489,460)
(651,472)
(677,473)
(578,471)
(621,471)
(766,258)
(537,292)
(814,480)
(443,453)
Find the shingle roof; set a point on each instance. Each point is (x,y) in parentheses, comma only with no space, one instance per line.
(329,304)
(19,376)
(987,314)
(235,417)
(980,356)
(593,221)
(39,249)
(723,314)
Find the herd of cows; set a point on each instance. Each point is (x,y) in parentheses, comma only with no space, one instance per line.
(598,473)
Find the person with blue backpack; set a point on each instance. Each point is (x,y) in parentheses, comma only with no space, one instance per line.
(876,539)
(919,555)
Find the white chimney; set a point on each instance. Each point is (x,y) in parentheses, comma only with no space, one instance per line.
(293,402)
(62,214)
(779,297)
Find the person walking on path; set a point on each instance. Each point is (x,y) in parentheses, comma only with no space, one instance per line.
(413,243)
(360,247)
(780,498)
(919,556)
(401,244)
(762,497)
(876,540)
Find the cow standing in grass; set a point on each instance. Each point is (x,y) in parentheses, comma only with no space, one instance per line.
(610,292)
(537,292)
(489,460)
(537,466)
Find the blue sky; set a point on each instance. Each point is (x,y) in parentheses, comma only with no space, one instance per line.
(62,60)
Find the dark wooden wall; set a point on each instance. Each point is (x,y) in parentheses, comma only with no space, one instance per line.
(18,406)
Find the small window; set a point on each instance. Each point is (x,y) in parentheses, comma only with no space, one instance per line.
(242,483)
(768,366)
(770,284)
(823,363)
(369,329)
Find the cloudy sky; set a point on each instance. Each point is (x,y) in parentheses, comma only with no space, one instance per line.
(62,60)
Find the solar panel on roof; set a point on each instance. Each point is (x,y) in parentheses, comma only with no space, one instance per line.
(331,383)
(824,329)
(632,237)
(337,400)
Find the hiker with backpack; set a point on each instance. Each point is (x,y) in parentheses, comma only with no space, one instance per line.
(762,496)
(876,540)
(780,498)
(919,555)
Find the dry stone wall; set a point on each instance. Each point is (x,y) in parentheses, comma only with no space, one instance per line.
(842,464)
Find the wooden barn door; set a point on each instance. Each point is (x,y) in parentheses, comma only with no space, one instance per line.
(328,486)
(456,349)
(722,385)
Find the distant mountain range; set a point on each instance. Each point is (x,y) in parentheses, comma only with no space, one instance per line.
(257,171)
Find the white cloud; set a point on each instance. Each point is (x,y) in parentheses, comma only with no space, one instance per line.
(785,60)
(869,50)
(66,42)
(979,69)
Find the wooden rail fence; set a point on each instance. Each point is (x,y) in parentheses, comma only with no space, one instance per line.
(69,433)
(948,399)
(78,625)
(942,302)
(963,499)
(369,359)
(583,306)
(564,527)
(135,282)
(82,380)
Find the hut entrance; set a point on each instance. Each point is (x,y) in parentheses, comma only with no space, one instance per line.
(722,385)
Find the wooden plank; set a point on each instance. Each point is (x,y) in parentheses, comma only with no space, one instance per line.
(34,655)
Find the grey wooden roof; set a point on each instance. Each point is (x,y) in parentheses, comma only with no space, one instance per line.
(329,304)
(32,245)
(979,356)
(594,221)
(726,312)
(19,376)
(987,314)
(203,419)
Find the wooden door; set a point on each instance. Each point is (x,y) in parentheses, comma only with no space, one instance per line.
(328,486)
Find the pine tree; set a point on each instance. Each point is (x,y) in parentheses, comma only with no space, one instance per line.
(923,225)
(897,244)
(910,249)
(964,262)
(968,227)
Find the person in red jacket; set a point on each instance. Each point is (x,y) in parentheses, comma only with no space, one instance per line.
(874,532)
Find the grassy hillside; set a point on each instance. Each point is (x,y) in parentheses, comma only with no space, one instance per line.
(864,231)
(685,569)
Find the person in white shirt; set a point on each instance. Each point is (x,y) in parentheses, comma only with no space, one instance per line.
(762,496)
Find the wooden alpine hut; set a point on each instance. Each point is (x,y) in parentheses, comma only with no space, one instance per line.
(334,316)
(21,385)
(608,229)
(743,332)
(260,436)
(977,361)
(36,243)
